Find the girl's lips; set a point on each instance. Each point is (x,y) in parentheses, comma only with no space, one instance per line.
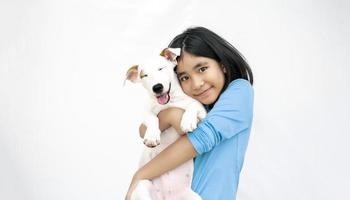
(205,92)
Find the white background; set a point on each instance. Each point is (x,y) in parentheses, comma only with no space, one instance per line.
(68,126)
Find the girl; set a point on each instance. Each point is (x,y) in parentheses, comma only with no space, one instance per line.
(213,72)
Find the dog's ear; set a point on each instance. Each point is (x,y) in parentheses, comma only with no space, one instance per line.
(132,74)
(171,54)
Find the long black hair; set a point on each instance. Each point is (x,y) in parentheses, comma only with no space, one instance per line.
(200,41)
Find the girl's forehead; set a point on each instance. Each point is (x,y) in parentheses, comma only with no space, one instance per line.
(188,62)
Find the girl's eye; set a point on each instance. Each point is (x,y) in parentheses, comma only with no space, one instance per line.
(203,69)
(183,78)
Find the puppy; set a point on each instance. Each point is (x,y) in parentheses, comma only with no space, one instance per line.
(157,76)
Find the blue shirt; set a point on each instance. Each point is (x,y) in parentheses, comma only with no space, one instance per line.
(221,140)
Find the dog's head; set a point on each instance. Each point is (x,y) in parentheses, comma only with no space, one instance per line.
(157,75)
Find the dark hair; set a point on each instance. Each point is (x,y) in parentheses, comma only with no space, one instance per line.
(200,41)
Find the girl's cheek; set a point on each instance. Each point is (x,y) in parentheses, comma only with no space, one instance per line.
(186,90)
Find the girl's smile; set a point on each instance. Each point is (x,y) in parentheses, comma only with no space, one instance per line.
(203,94)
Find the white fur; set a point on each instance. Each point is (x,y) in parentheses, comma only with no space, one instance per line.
(175,184)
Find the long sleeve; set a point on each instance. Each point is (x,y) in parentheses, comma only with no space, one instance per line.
(231,115)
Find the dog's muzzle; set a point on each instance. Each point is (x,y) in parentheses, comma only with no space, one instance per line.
(165,97)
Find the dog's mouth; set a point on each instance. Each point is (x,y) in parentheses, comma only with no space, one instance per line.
(165,97)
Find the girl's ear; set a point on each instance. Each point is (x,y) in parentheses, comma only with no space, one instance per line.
(132,74)
(171,54)
(223,68)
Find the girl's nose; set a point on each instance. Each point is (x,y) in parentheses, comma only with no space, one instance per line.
(197,83)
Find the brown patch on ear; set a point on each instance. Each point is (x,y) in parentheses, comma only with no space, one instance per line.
(132,73)
(168,54)
(163,52)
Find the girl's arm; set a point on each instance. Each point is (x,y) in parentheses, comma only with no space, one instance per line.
(174,155)
(171,157)
(168,117)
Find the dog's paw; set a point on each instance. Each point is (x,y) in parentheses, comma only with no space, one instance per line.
(152,138)
(189,121)
(202,113)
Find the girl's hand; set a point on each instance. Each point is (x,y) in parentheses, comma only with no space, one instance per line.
(133,184)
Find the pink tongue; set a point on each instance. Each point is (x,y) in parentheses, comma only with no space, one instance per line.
(163,99)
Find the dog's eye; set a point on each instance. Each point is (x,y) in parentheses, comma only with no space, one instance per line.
(161,68)
(143,75)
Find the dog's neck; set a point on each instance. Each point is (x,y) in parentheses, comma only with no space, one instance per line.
(176,93)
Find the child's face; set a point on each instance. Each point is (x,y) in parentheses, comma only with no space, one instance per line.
(201,78)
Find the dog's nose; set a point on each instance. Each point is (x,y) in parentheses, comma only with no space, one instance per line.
(157,88)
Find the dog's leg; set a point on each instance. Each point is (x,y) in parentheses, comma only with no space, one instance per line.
(176,184)
(193,113)
(142,191)
(152,134)
(201,111)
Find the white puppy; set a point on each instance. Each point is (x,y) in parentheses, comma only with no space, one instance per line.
(159,79)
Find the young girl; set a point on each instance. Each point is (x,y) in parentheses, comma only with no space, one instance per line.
(213,72)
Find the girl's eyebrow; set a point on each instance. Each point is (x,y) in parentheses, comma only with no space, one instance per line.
(194,67)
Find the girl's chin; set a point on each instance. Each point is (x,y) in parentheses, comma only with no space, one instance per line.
(206,101)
